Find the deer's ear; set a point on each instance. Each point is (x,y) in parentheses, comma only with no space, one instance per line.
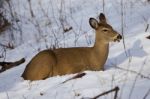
(102,18)
(93,23)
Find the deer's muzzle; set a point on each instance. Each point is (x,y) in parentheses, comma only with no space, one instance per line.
(118,38)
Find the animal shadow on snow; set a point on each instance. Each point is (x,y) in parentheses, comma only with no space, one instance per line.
(135,51)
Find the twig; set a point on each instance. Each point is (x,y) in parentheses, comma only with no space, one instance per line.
(7,95)
(122,25)
(4,24)
(79,75)
(133,86)
(103,6)
(3,53)
(30,7)
(53,11)
(147,27)
(9,46)
(116,89)
(148,93)
(8,65)
(12,18)
(122,31)
(131,71)
(116,93)
(112,83)
(67,29)
(45,14)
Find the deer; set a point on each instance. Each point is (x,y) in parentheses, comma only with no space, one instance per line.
(62,61)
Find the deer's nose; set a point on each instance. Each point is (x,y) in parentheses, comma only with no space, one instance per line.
(119,37)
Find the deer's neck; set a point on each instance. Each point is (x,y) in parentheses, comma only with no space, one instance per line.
(100,51)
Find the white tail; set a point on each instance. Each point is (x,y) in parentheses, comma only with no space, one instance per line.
(63,61)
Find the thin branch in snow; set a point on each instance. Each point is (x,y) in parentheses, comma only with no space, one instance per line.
(8,65)
(12,37)
(3,53)
(79,75)
(103,6)
(30,7)
(122,26)
(9,45)
(147,27)
(112,83)
(146,95)
(139,72)
(135,72)
(126,78)
(116,89)
(53,11)
(24,97)
(4,24)
(145,22)
(7,95)
(45,14)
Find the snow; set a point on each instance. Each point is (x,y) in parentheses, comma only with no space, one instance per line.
(130,72)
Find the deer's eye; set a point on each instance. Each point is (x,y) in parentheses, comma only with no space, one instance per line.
(105,30)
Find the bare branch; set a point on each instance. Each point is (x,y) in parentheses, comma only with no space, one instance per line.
(147,27)
(116,89)
(148,93)
(131,71)
(9,46)
(79,75)
(8,65)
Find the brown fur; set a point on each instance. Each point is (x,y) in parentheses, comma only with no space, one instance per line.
(63,61)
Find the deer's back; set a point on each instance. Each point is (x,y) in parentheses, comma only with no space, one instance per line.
(73,60)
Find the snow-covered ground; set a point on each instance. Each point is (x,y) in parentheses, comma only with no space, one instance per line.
(129,68)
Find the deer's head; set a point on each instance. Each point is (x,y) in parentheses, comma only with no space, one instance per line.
(104,31)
